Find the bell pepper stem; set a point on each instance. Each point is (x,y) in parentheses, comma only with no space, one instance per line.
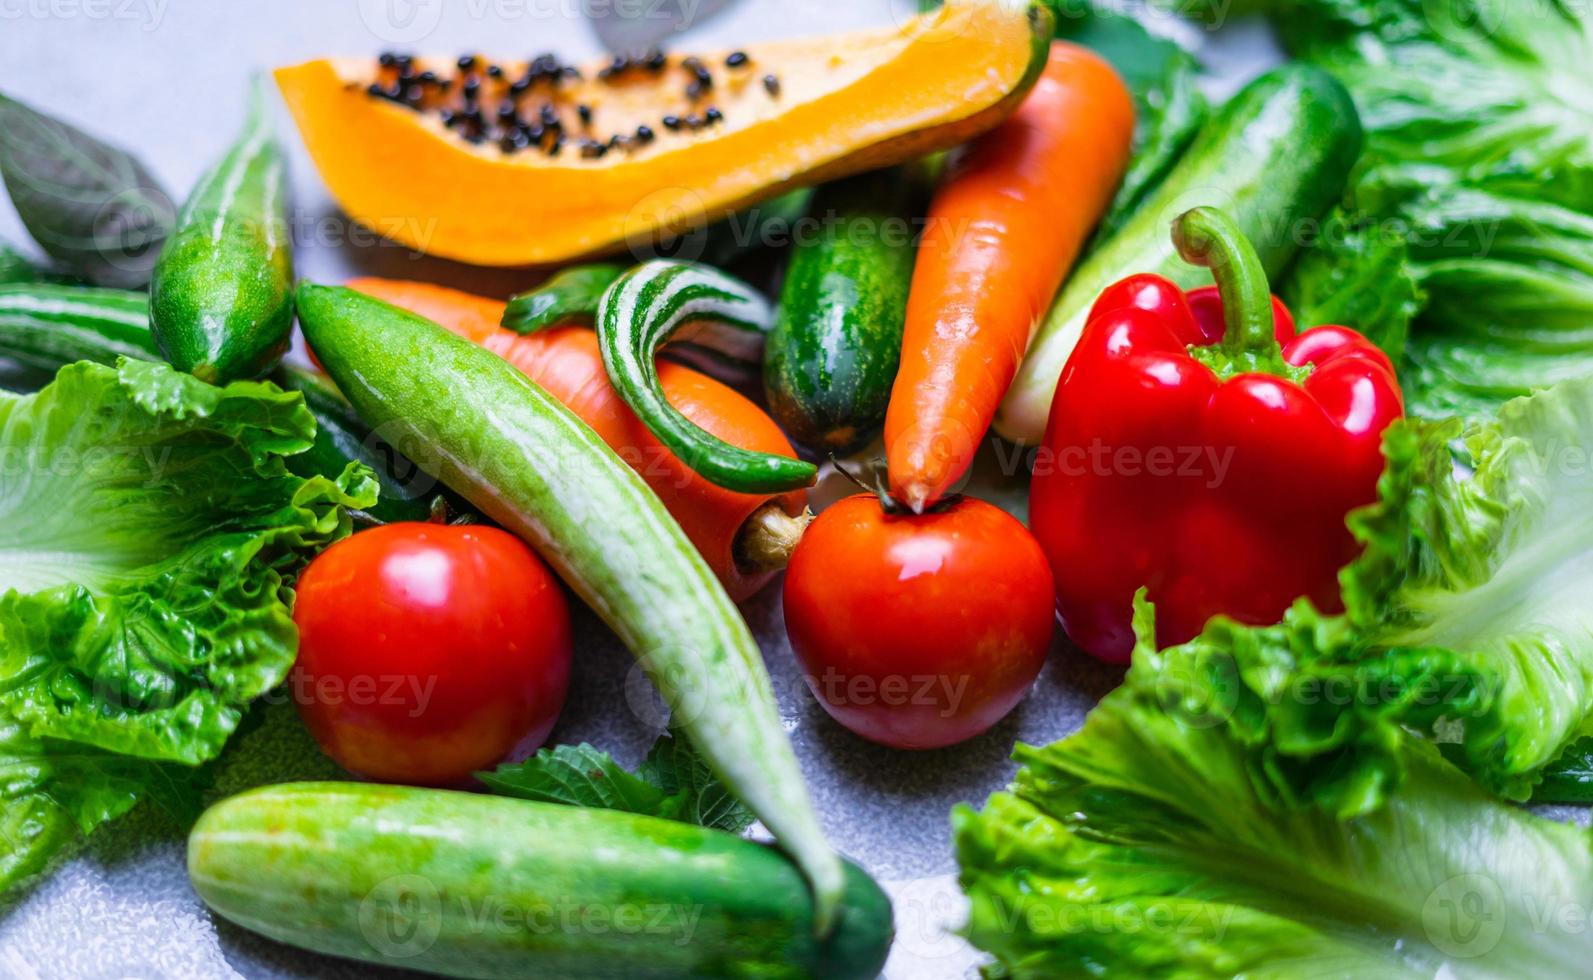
(1208,237)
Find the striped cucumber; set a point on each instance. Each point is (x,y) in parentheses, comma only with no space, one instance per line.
(514,451)
(469,885)
(222,298)
(731,352)
(569,297)
(661,301)
(1277,154)
(833,353)
(44,327)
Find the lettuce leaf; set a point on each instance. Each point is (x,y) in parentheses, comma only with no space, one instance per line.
(1479,118)
(1493,94)
(150,533)
(1144,845)
(1511,285)
(1359,276)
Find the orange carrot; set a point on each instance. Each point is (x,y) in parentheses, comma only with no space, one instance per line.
(1004,230)
(744,537)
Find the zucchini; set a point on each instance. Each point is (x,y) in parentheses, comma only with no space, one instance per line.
(469,885)
(568,298)
(662,301)
(837,341)
(514,451)
(221,300)
(43,327)
(1278,154)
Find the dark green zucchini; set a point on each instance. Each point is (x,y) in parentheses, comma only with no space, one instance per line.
(831,360)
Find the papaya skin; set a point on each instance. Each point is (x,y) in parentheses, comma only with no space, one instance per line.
(847,104)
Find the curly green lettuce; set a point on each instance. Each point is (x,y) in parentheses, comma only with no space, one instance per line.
(151,531)
(1479,119)
(1146,845)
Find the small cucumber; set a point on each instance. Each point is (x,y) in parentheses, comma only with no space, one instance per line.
(665,301)
(222,297)
(837,341)
(45,327)
(1278,154)
(513,450)
(468,885)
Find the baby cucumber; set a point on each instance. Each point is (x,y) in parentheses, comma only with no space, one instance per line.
(832,357)
(222,297)
(514,451)
(468,885)
(44,327)
(1278,154)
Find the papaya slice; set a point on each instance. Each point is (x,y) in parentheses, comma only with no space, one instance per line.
(506,163)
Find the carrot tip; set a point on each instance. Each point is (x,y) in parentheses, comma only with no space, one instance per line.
(916,497)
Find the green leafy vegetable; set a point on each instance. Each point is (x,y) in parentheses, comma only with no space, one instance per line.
(151,533)
(672,782)
(1358,276)
(1145,846)
(1511,282)
(1479,115)
(1570,778)
(89,205)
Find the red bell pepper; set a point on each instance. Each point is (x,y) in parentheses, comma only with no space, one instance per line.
(1198,447)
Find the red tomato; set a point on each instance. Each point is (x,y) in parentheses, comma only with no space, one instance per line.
(918,631)
(427,652)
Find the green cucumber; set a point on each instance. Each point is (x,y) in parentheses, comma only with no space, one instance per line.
(1274,158)
(662,301)
(222,298)
(837,341)
(569,297)
(43,327)
(468,885)
(514,451)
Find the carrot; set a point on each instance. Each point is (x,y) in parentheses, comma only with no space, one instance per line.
(1004,229)
(745,538)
